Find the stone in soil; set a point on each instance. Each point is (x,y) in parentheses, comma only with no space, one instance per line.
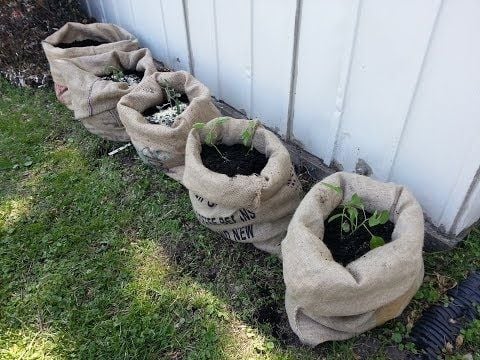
(346,248)
(234,159)
(161,115)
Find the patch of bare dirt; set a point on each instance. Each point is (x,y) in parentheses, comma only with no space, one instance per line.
(23,25)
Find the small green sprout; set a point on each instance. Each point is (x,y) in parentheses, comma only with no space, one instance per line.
(173,97)
(117,73)
(349,217)
(248,133)
(211,136)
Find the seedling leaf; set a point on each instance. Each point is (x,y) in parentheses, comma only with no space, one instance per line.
(331,218)
(172,96)
(209,139)
(352,214)
(378,218)
(117,74)
(211,136)
(356,201)
(248,133)
(376,241)
(345,227)
(335,188)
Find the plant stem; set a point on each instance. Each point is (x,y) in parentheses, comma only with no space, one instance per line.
(177,106)
(218,150)
(341,222)
(366,227)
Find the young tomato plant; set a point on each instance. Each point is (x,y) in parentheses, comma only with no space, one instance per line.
(117,74)
(173,97)
(211,136)
(349,217)
(247,134)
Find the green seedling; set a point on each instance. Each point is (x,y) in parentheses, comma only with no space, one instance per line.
(117,74)
(247,134)
(350,217)
(211,136)
(173,97)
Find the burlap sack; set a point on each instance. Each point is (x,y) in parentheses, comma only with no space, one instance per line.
(326,301)
(115,37)
(249,209)
(160,145)
(94,101)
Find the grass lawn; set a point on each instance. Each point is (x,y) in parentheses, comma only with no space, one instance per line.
(102,258)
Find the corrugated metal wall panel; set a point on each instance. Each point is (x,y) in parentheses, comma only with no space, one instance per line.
(272,47)
(110,11)
(326,37)
(201,21)
(152,32)
(385,65)
(233,33)
(440,152)
(124,12)
(176,34)
(95,9)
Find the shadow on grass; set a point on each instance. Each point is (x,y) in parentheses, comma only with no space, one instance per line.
(102,257)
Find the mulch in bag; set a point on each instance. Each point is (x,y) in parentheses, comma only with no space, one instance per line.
(252,208)
(74,40)
(162,143)
(95,93)
(327,301)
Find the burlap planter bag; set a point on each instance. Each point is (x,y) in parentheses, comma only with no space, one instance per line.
(114,37)
(326,301)
(94,101)
(249,209)
(160,145)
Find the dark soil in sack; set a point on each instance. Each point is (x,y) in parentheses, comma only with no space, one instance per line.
(346,248)
(81,43)
(234,159)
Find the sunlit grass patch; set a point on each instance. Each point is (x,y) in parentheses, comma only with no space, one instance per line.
(28,344)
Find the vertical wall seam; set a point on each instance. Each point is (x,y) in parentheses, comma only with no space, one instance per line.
(344,83)
(441,221)
(165,34)
(89,10)
(215,24)
(252,25)
(116,18)
(466,200)
(115,13)
(189,43)
(293,70)
(132,15)
(104,14)
(415,91)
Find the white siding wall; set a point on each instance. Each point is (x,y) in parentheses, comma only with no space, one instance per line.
(395,83)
